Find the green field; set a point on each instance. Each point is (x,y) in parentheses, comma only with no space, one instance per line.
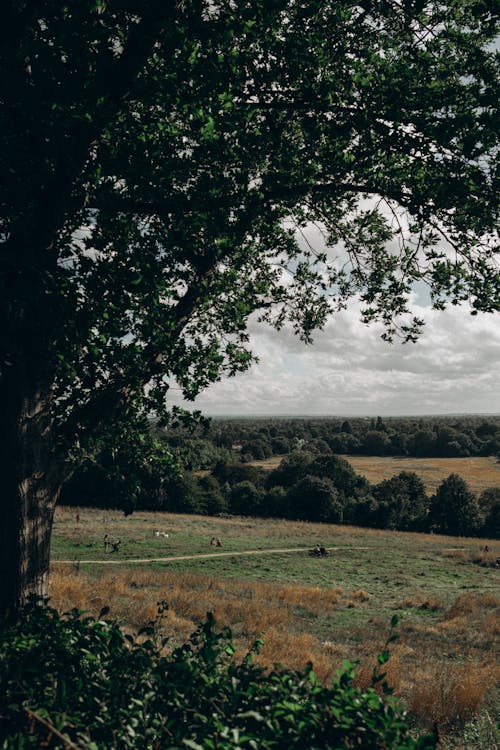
(387,563)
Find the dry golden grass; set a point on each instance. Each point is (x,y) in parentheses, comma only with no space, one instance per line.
(486,559)
(479,472)
(490,625)
(457,554)
(468,604)
(393,669)
(268,463)
(431,602)
(357,597)
(446,693)
(435,687)
(437,691)
(360,595)
(250,608)
(281,647)
(453,636)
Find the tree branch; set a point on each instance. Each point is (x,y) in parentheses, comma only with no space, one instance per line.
(51,729)
(125,204)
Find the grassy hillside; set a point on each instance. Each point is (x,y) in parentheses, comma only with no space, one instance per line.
(443,589)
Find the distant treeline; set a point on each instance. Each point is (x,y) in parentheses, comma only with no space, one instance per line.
(311,483)
(432,437)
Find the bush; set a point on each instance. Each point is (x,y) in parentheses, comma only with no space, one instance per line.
(75,679)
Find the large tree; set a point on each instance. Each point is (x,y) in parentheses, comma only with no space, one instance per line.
(401,503)
(454,508)
(157,158)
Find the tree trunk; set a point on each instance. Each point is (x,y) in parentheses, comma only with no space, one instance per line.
(30,486)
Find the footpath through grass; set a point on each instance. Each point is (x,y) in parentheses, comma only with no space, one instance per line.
(444,591)
(391,566)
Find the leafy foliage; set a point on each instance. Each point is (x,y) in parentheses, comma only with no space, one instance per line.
(137,471)
(101,689)
(454,508)
(401,503)
(438,437)
(314,499)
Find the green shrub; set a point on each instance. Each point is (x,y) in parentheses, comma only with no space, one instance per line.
(73,681)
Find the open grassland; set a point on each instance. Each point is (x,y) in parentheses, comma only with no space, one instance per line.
(268,463)
(479,472)
(444,591)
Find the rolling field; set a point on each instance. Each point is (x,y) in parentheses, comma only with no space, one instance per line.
(479,472)
(444,591)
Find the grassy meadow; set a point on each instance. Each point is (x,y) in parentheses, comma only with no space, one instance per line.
(479,472)
(444,591)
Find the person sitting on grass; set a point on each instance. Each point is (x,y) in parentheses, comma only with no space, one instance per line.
(115,545)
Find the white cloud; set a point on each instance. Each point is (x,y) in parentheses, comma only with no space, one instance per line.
(453,368)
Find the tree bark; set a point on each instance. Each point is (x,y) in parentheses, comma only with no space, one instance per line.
(31,482)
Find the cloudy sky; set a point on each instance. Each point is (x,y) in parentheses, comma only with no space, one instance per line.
(349,370)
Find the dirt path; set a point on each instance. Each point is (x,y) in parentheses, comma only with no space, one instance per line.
(238,553)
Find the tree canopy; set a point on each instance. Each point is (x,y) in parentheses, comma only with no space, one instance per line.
(158,161)
(454,509)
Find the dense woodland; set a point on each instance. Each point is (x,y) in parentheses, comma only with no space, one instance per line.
(312,482)
(441,437)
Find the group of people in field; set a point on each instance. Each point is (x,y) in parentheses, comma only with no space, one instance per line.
(112,545)
(318,551)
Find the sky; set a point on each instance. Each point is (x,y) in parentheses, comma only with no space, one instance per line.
(348,370)
(454,368)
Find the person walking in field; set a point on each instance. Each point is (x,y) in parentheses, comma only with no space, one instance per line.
(107,543)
